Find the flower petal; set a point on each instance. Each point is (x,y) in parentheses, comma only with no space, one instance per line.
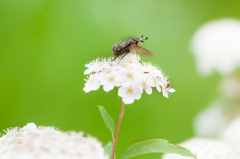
(148,90)
(108,87)
(171,90)
(128,99)
(165,93)
(158,88)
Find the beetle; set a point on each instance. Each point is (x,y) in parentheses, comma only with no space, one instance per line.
(129,44)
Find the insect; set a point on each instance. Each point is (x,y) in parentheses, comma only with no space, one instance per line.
(129,44)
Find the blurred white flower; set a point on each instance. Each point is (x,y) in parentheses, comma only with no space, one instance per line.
(204,149)
(231,86)
(216,46)
(128,75)
(18,136)
(232,136)
(212,121)
(32,142)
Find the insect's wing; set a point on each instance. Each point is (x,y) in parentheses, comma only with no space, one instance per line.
(144,52)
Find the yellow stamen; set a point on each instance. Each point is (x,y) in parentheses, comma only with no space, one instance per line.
(124,65)
(92,80)
(4,151)
(129,75)
(2,142)
(111,79)
(108,71)
(144,85)
(130,90)
(154,80)
(19,142)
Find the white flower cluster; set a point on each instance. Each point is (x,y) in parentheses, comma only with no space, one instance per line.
(216,47)
(204,149)
(212,121)
(131,77)
(232,136)
(227,146)
(231,86)
(32,142)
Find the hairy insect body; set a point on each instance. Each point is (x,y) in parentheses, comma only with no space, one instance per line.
(123,46)
(124,43)
(125,50)
(129,44)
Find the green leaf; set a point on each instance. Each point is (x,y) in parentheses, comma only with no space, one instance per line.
(108,120)
(108,149)
(155,146)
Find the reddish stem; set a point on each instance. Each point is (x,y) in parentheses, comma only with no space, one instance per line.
(118,128)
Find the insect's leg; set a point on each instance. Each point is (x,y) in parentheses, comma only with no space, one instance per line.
(122,57)
(114,58)
(116,54)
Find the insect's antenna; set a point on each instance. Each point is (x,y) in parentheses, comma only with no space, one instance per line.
(142,36)
(146,38)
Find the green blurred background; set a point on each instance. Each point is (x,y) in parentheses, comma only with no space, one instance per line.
(44,45)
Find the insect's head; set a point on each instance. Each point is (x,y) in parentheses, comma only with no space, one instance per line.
(139,40)
(142,40)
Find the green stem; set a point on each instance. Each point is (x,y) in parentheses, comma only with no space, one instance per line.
(118,128)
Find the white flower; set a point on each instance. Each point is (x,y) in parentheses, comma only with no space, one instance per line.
(129,92)
(231,86)
(109,81)
(147,83)
(232,136)
(153,70)
(204,149)
(96,66)
(128,75)
(216,46)
(18,136)
(232,132)
(31,142)
(93,83)
(212,121)
(166,89)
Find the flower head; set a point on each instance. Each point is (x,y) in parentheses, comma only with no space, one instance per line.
(216,47)
(32,142)
(128,75)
